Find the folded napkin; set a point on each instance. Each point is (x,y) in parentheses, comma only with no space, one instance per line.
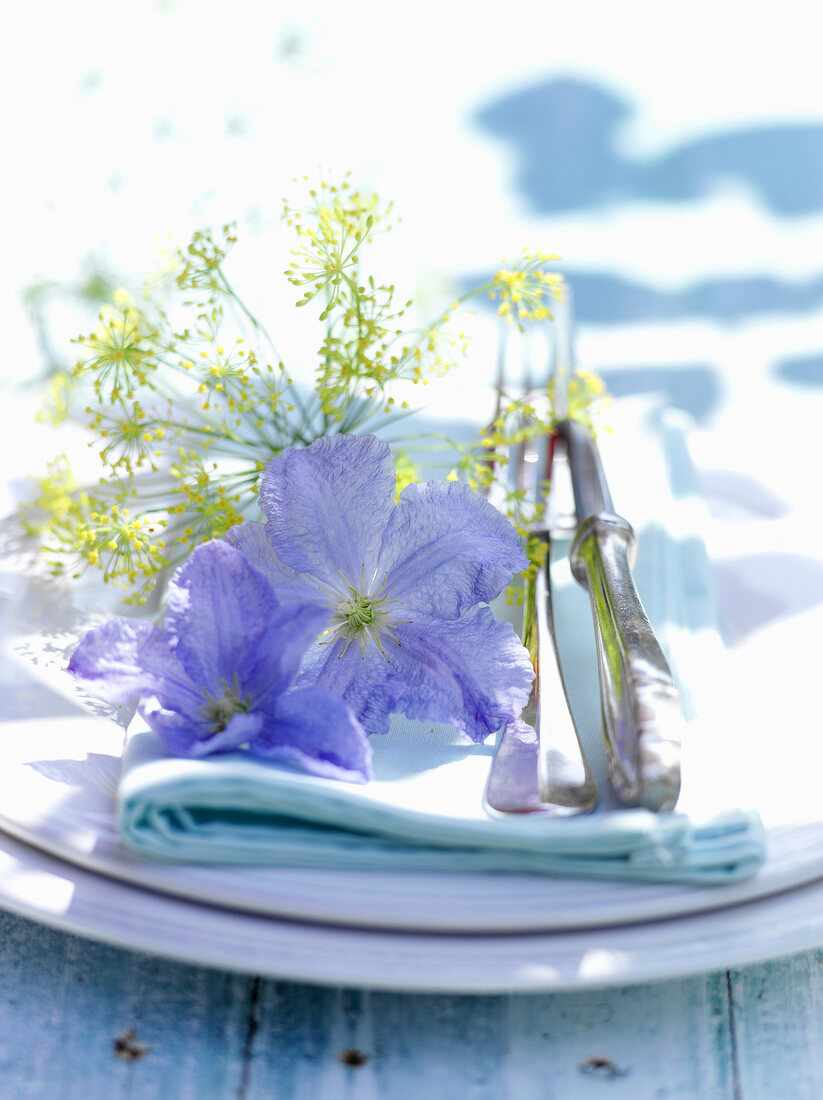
(424,809)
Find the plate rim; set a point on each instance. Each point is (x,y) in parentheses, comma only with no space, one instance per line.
(131,918)
(428,902)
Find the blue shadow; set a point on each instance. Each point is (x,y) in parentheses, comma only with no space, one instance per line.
(695,389)
(805,370)
(565,134)
(602,298)
(610,299)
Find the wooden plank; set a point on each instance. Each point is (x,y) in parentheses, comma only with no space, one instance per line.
(366,1046)
(667,1041)
(777,1017)
(670,1041)
(65,1001)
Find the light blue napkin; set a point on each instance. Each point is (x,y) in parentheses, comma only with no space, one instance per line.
(424,809)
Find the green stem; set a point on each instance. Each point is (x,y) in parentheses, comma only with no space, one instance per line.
(241,305)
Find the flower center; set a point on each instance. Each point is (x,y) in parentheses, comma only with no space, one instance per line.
(218,710)
(363,615)
(359,611)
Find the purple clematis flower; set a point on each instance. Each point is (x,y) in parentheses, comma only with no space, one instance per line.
(219,674)
(403,586)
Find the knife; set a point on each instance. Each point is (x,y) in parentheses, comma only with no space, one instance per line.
(642,720)
(643,723)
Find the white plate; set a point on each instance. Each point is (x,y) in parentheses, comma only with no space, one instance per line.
(57,786)
(58,768)
(65,896)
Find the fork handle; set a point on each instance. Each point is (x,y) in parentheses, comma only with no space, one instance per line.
(540,765)
(642,719)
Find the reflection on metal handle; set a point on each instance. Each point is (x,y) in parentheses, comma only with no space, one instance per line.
(540,765)
(642,719)
(566,779)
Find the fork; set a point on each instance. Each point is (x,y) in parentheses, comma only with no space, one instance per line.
(540,765)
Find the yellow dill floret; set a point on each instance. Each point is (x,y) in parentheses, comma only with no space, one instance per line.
(59,504)
(406,472)
(199,265)
(208,502)
(524,289)
(586,399)
(76,528)
(330,230)
(119,353)
(123,546)
(208,507)
(184,417)
(55,407)
(129,436)
(167,264)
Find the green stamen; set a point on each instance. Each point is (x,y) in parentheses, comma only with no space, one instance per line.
(219,710)
(363,616)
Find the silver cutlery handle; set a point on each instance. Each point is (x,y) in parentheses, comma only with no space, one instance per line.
(565,776)
(540,765)
(642,719)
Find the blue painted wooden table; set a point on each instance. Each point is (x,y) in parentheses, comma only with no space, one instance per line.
(84,1020)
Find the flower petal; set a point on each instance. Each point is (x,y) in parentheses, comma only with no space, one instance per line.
(253,541)
(365,680)
(184,737)
(224,620)
(292,629)
(315,729)
(327,505)
(446,548)
(472,672)
(126,658)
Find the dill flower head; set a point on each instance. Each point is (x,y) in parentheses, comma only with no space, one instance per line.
(128,548)
(200,265)
(59,502)
(131,437)
(524,288)
(119,355)
(207,507)
(187,400)
(77,529)
(366,345)
(57,401)
(330,230)
(406,472)
(586,399)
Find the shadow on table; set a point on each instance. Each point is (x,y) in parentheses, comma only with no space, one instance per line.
(603,298)
(758,589)
(695,389)
(566,133)
(803,370)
